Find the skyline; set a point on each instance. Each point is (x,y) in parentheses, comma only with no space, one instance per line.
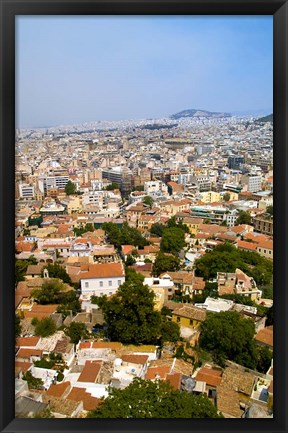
(82,69)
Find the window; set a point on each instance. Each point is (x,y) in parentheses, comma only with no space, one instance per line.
(119,282)
(101,294)
(110,283)
(86,284)
(110,293)
(264,251)
(270,252)
(101,283)
(178,319)
(191,322)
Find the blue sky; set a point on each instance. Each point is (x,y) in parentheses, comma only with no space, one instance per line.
(78,69)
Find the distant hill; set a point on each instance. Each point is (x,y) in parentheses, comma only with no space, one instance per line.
(264,119)
(198,113)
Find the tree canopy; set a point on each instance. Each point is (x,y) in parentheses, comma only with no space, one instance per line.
(79,231)
(226,258)
(55,270)
(147,399)
(112,186)
(244,217)
(173,240)
(44,327)
(164,263)
(148,200)
(157,229)
(228,335)
(70,188)
(129,314)
(131,317)
(124,236)
(76,331)
(21,268)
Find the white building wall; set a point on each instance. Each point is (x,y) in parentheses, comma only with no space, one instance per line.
(100,286)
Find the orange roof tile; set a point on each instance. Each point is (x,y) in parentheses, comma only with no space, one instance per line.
(246,245)
(174,379)
(104,270)
(89,402)
(135,359)
(23,366)
(27,341)
(210,376)
(58,389)
(90,371)
(106,345)
(159,372)
(265,336)
(26,353)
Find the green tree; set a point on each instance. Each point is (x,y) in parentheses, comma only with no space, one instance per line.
(172,223)
(226,196)
(173,240)
(33,382)
(44,327)
(170,332)
(264,358)
(157,229)
(164,263)
(21,268)
(69,302)
(244,217)
(55,270)
(130,314)
(112,186)
(130,260)
(269,210)
(227,335)
(49,293)
(70,188)
(147,399)
(76,331)
(148,201)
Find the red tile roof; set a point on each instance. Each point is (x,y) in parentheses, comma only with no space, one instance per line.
(135,359)
(27,341)
(265,336)
(90,371)
(104,270)
(58,389)
(210,376)
(26,353)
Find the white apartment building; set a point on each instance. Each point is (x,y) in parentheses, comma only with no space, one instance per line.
(26,190)
(101,279)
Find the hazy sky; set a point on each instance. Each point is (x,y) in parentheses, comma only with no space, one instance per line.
(79,69)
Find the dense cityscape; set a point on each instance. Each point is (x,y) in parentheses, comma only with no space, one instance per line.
(144,268)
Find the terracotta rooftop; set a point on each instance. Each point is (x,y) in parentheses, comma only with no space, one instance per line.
(174,379)
(228,402)
(238,380)
(90,371)
(59,389)
(60,405)
(104,270)
(80,394)
(246,245)
(191,312)
(27,341)
(35,269)
(26,353)
(23,366)
(210,376)
(135,359)
(157,372)
(41,311)
(266,244)
(265,336)
(106,345)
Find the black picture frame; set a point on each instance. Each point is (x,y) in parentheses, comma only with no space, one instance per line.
(11,8)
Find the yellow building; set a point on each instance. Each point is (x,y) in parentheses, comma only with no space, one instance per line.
(210,196)
(188,316)
(193,224)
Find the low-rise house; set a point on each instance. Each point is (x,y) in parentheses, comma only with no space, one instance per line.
(238,283)
(101,279)
(91,371)
(165,283)
(148,252)
(188,316)
(34,271)
(265,249)
(211,377)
